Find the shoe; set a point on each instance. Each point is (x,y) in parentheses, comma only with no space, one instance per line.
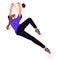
(47,50)
(37,31)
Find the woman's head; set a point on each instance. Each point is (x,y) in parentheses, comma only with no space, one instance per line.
(13,16)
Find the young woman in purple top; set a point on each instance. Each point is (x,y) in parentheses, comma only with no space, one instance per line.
(19,28)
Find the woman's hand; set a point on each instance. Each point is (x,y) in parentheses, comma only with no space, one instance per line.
(18,3)
(7,27)
(12,4)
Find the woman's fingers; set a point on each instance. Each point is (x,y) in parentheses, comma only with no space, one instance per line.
(18,3)
(12,4)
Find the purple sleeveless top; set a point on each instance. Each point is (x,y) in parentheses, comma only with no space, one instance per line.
(15,22)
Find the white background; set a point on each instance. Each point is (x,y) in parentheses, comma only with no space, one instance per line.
(46,15)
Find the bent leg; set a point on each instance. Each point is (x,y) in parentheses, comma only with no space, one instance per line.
(26,22)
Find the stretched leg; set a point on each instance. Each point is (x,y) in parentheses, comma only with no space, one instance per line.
(26,35)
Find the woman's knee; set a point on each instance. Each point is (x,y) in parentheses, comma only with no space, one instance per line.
(30,18)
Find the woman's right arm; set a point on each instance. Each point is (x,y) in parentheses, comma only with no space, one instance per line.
(10,13)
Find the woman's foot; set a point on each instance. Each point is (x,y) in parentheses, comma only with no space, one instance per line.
(47,50)
(37,31)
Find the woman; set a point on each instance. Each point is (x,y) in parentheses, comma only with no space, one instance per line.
(19,28)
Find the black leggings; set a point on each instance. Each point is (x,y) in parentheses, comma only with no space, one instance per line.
(21,32)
